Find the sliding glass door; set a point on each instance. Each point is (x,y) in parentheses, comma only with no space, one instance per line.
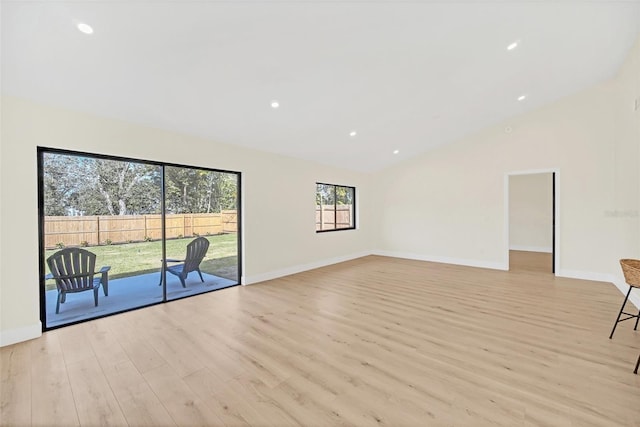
(118,234)
(201,210)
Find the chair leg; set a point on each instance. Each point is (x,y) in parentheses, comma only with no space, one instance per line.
(637,320)
(182,280)
(620,313)
(200,273)
(637,366)
(105,285)
(95,295)
(163,274)
(58,303)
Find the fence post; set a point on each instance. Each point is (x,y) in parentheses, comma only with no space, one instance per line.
(98,227)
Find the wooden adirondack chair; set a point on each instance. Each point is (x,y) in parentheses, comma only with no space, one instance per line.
(196,251)
(73,270)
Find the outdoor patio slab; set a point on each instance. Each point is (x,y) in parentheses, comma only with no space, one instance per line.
(127,293)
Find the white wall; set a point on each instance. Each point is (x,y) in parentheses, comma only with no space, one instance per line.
(449,204)
(276,241)
(531,212)
(625,214)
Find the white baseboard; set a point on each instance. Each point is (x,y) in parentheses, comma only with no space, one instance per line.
(572,274)
(444,260)
(250,280)
(25,333)
(545,249)
(585,275)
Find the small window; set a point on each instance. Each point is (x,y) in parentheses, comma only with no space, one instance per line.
(335,207)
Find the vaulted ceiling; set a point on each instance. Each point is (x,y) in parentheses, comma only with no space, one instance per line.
(402,75)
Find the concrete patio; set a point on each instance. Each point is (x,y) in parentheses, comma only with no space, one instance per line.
(127,293)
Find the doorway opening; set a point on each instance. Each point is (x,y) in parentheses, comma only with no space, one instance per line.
(531,221)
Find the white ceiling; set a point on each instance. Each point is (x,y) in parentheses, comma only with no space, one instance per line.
(406,75)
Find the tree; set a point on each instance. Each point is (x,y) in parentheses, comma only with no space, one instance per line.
(325,194)
(78,185)
(59,184)
(199,191)
(126,188)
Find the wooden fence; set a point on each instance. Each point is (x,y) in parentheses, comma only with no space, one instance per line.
(107,229)
(331,217)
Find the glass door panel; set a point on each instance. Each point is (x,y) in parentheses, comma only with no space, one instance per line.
(201,220)
(106,210)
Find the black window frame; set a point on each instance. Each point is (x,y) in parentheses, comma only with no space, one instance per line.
(42,150)
(335,207)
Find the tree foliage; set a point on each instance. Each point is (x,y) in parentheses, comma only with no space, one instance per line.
(328,194)
(126,188)
(76,185)
(199,191)
(58,184)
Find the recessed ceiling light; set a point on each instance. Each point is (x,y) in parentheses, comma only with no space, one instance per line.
(522,97)
(275,104)
(513,45)
(85,28)
(353,133)
(396,151)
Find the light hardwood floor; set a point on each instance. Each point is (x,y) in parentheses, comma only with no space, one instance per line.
(375,341)
(540,262)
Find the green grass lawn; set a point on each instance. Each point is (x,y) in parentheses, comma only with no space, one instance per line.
(131,259)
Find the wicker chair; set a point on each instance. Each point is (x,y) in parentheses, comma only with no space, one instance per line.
(631,270)
(196,251)
(73,269)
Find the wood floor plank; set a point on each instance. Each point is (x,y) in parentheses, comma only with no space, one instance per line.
(15,386)
(92,394)
(74,343)
(52,396)
(231,408)
(139,404)
(183,405)
(373,341)
(265,412)
(133,340)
